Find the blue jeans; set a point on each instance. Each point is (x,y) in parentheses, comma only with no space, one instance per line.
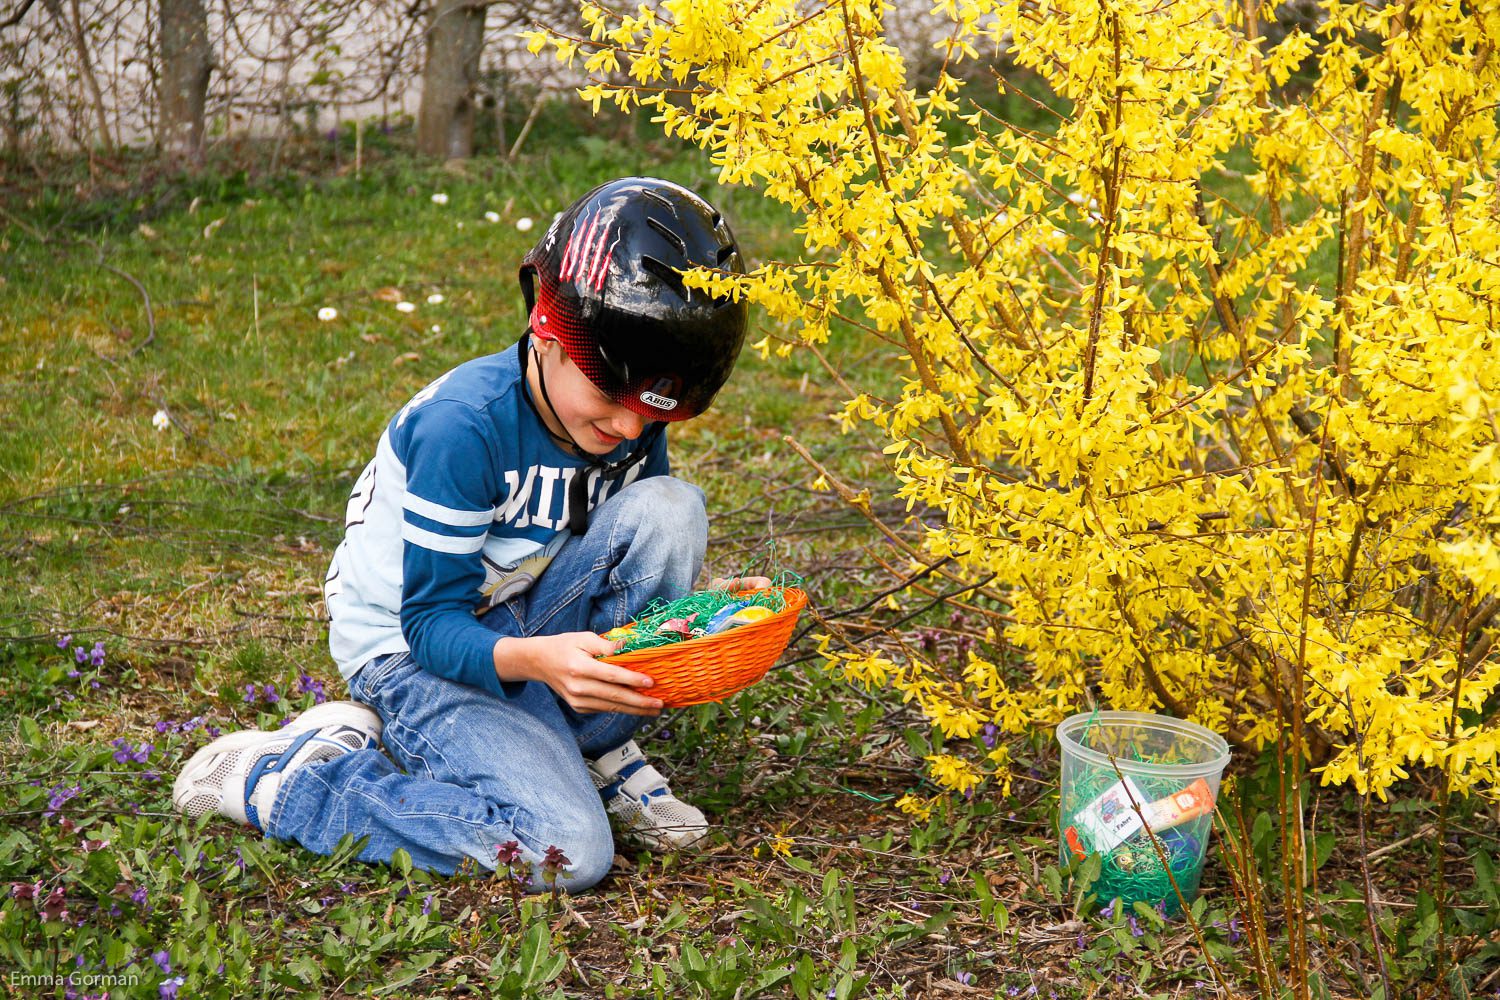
(469,771)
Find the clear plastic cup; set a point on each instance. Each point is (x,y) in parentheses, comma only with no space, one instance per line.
(1138,790)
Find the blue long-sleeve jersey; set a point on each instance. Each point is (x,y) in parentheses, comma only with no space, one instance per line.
(462,507)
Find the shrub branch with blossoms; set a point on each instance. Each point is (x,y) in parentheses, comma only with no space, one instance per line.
(1189,465)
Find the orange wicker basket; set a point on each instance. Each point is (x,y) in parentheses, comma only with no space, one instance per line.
(713,667)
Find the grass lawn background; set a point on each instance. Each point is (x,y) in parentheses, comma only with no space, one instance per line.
(195,554)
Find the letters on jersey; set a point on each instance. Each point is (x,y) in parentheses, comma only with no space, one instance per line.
(462,508)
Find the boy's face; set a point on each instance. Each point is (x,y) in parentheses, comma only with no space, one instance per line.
(594,421)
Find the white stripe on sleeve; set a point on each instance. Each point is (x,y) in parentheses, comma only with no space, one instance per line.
(448,515)
(443,543)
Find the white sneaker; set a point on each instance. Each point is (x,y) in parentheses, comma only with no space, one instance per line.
(239,774)
(637,794)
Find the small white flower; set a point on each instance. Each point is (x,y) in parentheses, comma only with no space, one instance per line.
(1057,234)
(435,298)
(160,420)
(327,313)
(460,225)
(491,216)
(1076,197)
(440,199)
(436,328)
(405,307)
(524,223)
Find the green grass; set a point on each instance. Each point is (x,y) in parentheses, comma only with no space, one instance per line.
(196,554)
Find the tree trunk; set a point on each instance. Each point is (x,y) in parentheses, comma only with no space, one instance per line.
(187,59)
(445,120)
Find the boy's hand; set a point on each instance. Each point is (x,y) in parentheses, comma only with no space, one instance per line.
(566,663)
(741,583)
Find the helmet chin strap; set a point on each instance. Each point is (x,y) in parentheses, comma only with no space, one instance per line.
(578,490)
(541,379)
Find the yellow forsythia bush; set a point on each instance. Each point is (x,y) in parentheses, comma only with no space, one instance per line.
(1231,457)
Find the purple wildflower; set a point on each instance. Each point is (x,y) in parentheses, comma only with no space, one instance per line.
(168,988)
(249,693)
(138,897)
(507,853)
(427,904)
(126,752)
(1108,911)
(1234,930)
(269,695)
(96,655)
(944,877)
(80,654)
(988,733)
(1135,926)
(65,641)
(163,961)
(964,978)
(59,795)
(306,684)
(55,906)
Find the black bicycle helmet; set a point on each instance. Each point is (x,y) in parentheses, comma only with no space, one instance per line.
(606,282)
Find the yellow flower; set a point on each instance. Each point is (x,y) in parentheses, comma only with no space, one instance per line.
(1125,405)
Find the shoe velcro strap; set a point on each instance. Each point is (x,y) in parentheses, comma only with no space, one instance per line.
(271,763)
(645,782)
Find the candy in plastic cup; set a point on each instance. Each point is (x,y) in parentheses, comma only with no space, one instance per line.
(1138,790)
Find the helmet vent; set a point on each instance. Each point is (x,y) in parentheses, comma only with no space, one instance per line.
(667,275)
(660,199)
(726,251)
(666,233)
